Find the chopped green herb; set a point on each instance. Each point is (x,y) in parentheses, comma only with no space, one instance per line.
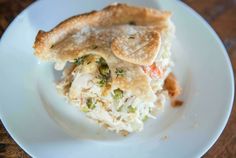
(101,61)
(104,70)
(120,72)
(102,83)
(80,60)
(145,118)
(131,109)
(102,80)
(118,94)
(90,103)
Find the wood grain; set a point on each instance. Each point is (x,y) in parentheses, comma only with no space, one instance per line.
(220,14)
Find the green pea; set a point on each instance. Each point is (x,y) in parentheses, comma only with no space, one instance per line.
(118,94)
(131,109)
(90,103)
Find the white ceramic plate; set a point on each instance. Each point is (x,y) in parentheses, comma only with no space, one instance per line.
(45,126)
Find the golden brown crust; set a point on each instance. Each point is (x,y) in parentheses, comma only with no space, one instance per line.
(112,15)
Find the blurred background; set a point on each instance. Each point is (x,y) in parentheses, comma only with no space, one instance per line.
(220,14)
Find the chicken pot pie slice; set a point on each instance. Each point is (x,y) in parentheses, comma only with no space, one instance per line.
(117,61)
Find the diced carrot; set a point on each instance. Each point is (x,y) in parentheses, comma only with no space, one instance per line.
(153,70)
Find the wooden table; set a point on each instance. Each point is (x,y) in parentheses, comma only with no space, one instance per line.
(221,14)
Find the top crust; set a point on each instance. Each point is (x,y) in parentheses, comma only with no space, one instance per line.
(118,14)
(140,48)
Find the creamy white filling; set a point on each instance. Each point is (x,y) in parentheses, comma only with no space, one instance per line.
(114,114)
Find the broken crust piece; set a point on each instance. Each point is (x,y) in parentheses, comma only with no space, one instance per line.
(174,90)
(172,86)
(118,14)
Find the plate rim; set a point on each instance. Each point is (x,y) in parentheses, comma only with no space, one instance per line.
(1,118)
(220,130)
